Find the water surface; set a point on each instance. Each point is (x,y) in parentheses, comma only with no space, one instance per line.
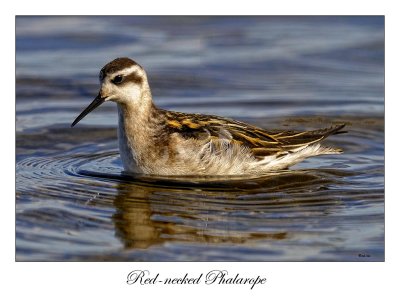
(74,202)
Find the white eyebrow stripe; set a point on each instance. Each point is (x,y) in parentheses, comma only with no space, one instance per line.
(126,71)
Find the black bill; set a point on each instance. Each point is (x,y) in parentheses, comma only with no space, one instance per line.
(96,103)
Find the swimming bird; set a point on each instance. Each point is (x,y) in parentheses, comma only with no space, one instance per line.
(160,142)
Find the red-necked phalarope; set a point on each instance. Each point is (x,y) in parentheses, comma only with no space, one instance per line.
(160,142)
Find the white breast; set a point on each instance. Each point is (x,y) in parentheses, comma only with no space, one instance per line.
(126,149)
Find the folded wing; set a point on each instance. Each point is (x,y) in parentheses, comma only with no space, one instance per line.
(260,142)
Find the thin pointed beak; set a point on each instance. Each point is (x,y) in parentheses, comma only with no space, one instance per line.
(96,103)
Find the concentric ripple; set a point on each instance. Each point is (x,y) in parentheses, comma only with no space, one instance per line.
(60,176)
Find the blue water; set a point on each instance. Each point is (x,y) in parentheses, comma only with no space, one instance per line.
(74,203)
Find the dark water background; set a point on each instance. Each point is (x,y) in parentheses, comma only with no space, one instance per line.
(74,203)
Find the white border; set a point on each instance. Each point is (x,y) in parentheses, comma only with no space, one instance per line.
(289,284)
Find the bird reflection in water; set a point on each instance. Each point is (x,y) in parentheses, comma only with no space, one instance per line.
(153,211)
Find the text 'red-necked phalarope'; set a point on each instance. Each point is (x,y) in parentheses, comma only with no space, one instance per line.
(160,142)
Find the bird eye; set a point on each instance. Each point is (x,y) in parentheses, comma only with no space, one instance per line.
(101,76)
(117,79)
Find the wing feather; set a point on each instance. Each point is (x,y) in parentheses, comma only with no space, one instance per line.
(261,142)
